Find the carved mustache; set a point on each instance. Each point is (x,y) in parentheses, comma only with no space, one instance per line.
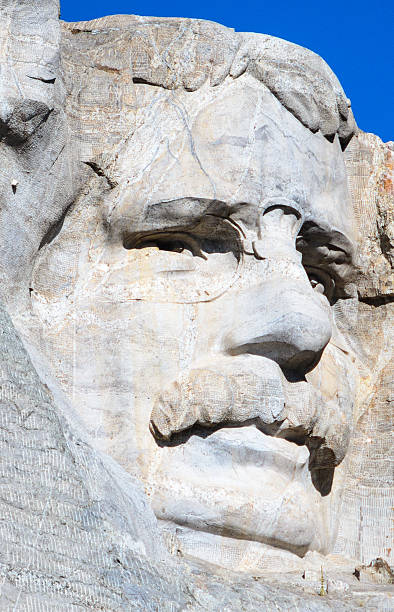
(234,391)
(224,393)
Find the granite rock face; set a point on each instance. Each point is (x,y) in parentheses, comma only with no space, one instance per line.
(75,531)
(368,321)
(196,251)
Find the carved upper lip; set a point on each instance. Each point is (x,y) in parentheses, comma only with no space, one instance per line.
(248,389)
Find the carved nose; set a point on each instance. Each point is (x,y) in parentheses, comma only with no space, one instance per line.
(287,325)
(280,316)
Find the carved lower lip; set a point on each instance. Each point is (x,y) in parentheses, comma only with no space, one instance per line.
(204,431)
(247,480)
(250,446)
(296,438)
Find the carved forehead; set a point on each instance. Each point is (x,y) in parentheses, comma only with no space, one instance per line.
(114,53)
(236,144)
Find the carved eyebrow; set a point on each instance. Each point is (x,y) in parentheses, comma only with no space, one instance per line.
(181,212)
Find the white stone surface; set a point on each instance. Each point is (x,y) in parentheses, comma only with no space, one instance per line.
(180,252)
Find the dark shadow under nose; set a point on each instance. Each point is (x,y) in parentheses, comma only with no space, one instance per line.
(289,328)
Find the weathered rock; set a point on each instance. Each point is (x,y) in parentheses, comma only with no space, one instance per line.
(77,532)
(196,248)
(367,321)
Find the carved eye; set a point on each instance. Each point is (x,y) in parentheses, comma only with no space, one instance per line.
(173,242)
(165,244)
(321,282)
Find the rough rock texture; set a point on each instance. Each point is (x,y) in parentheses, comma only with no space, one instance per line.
(35,156)
(196,249)
(368,320)
(77,532)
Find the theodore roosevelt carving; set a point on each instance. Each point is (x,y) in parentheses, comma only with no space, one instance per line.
(184,300)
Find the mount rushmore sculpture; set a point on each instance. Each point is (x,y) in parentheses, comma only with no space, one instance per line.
(195,255)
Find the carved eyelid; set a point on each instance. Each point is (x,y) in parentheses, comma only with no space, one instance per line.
(137,242)
(132,241)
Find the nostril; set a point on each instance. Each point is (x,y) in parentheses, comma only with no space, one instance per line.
(300,364)
(304,336)
(294,339)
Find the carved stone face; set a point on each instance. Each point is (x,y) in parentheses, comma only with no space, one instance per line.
(187,312)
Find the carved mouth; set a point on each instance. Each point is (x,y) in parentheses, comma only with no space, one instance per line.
(233,392)
(241,484)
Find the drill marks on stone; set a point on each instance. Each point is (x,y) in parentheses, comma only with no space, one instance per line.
(252,136)
(183,115)
(363,519)
(64,511)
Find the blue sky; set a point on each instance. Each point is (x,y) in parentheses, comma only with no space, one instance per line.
(355,37)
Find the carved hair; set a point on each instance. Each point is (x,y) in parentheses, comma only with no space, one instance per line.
(185,53)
